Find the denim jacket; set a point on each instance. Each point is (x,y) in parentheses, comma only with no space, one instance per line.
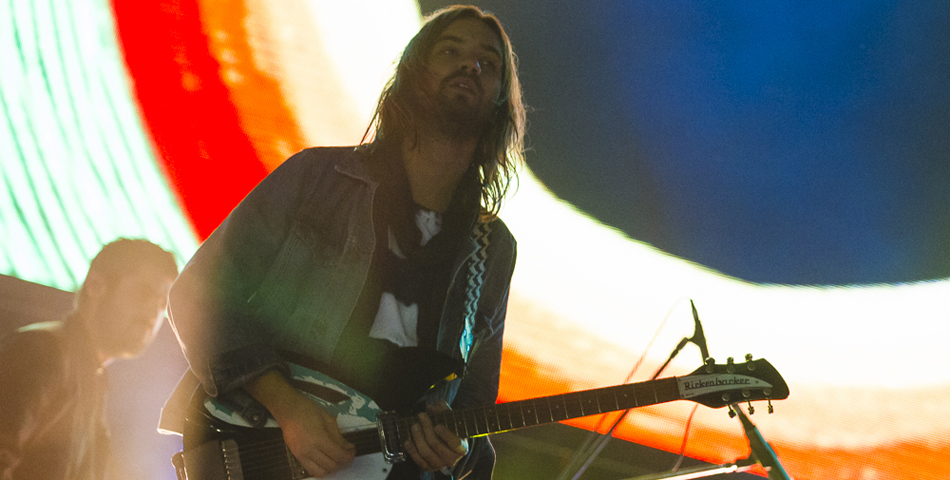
(285,269)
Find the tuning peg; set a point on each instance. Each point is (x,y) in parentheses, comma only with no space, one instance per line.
(751,409)
(749,365)
(771,410)
(731,365)
(710,364)
(732,413)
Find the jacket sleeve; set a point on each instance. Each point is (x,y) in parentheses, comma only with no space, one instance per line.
(208,303)
(479,387)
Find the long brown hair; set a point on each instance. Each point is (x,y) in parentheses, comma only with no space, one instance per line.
(501,147)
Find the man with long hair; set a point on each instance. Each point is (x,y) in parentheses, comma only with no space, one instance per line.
(52,374)
(357,259)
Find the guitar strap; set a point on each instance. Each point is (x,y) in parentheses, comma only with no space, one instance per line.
(476,272)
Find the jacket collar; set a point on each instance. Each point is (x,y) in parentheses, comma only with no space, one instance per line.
(350,165)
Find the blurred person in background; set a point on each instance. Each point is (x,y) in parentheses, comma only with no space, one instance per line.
(52,374)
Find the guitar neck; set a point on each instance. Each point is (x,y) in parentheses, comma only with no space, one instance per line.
(503,417)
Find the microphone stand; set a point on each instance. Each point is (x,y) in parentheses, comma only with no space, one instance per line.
(760,452)
(701,471)
(596,442)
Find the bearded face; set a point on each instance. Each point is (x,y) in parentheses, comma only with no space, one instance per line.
(463,77)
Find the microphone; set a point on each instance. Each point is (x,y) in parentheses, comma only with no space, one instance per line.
(761,450)
(698,338)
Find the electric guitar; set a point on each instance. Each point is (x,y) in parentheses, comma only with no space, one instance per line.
(220,445)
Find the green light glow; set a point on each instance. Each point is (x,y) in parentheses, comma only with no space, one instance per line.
(77,167)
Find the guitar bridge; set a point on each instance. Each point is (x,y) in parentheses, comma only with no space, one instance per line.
(389,439)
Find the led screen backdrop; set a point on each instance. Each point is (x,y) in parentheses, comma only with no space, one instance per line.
(155,118)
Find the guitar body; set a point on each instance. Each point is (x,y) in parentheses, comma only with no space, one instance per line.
(219,444)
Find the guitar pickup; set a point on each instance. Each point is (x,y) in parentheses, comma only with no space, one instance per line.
(214,460)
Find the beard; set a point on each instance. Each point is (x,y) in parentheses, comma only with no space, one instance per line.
(451,114)
(455,119)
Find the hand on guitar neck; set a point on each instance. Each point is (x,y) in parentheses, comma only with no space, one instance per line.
(435,447)
(314,437)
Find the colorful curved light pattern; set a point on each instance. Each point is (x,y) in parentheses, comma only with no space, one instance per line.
(78,166)
(155,118)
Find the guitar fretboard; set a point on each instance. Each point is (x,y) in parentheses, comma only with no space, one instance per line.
(503,417)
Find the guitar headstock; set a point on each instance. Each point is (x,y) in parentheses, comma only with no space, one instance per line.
(716,385)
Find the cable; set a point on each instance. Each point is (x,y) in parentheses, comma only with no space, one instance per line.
(595,442)
(689,422)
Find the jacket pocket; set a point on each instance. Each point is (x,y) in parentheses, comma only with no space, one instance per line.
(276,295)
(310,245)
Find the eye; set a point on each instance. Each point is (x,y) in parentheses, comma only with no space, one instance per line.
(489,63)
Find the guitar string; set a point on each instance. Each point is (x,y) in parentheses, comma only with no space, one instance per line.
(364,439)
(268,454)
(573,406)
(369,437)
(272,453)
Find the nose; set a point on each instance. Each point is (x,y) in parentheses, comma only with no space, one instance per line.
(472,66)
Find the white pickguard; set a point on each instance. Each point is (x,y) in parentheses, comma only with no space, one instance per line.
(358,412)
